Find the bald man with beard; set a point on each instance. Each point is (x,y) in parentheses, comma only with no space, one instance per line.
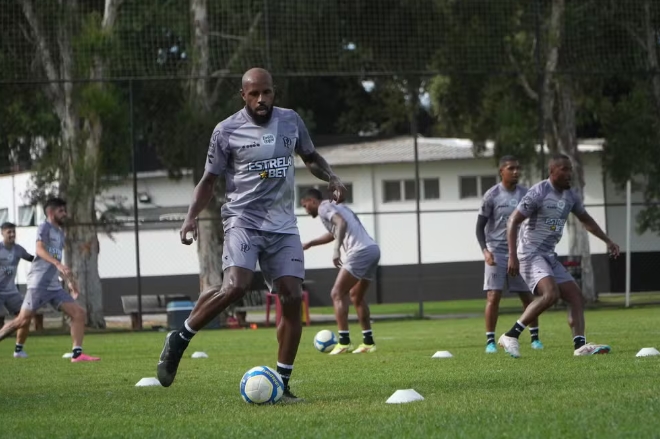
(253,150)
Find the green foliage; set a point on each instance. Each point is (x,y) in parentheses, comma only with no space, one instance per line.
(632,130)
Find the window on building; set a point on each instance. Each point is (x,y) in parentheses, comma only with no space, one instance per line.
(303,188)
(487,182)
(431,189)
(404,190)
(25,216)
(4,215)
(476,186)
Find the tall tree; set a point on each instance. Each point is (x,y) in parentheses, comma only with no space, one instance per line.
(77,161)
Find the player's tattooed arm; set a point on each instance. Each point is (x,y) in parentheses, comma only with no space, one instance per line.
(201,197)
(481,231)
(320,169)
(321,240)
(340,233)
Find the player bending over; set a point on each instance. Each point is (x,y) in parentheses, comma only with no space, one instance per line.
(10,255)
(545,209)
(253,150)
(355,273)
(498,204)
(43,285)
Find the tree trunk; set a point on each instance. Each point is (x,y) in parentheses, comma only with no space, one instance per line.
(578,235)
(558,105)
(210,231)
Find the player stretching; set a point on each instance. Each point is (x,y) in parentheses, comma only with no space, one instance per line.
(10,255)
(43,285)
(253,150)
(546,207)
(355,274)
(498,203)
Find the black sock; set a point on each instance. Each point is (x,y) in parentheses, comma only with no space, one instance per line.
(18,348)
(344,337)
(535,333)
(77,351)
(367,337)
(579,341)
(285,372)
(516,330)
(184,335)
(490,338)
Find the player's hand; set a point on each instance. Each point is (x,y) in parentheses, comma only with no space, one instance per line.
(488,257)
(66,271)
(514,266)
(336,259)
(337,189)
(307,246)
(73,290)
(613,249)
(189,225)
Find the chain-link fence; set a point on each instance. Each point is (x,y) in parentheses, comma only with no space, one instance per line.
(410,102)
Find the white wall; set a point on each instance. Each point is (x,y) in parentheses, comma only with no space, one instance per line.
(447,224)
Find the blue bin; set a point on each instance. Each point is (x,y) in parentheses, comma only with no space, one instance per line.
(177,313)
(179,310)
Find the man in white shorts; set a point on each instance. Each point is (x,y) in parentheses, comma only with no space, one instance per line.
(10,255)
(543,212)
(362,255)
(498,203)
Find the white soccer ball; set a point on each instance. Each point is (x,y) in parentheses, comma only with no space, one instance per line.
(261,385)
(325,341)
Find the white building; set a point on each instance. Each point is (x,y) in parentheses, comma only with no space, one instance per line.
(380,177)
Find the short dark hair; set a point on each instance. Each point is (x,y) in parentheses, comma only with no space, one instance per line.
(557,157)
(54,202)
(507,158)
(7,225)
(314,193)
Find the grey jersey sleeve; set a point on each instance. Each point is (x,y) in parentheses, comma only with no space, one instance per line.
(42,232)
(578,206)
(217,157)
(486,208)
(304,146)
(531,202)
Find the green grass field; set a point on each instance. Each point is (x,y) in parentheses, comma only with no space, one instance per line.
(544,394)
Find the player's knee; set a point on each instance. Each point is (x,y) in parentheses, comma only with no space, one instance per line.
(336,294)
(78,314)
(551,296)
(493,297)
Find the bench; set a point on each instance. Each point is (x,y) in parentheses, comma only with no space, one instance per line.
(151,304)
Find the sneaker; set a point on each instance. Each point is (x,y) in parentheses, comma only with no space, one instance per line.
(289,398)
(84,357)
(341,348)
(491,348)
(20,354)
(510,344)
(536,344)
(169,361)
(592,349)
(365,349)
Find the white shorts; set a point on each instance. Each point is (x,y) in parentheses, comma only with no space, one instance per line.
(533,268)
(363,263)
(496,276)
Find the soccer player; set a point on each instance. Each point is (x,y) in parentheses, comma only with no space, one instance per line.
(253,150)
(362,255)
(43,285)
(10,255)
(498,203)
(543,212)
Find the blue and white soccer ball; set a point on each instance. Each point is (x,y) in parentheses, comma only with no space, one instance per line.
(325,341)
(262,385)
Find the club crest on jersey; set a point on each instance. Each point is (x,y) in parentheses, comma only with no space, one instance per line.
(286,142)
(268,139)
(271,168)
(561,204)
(513,202)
